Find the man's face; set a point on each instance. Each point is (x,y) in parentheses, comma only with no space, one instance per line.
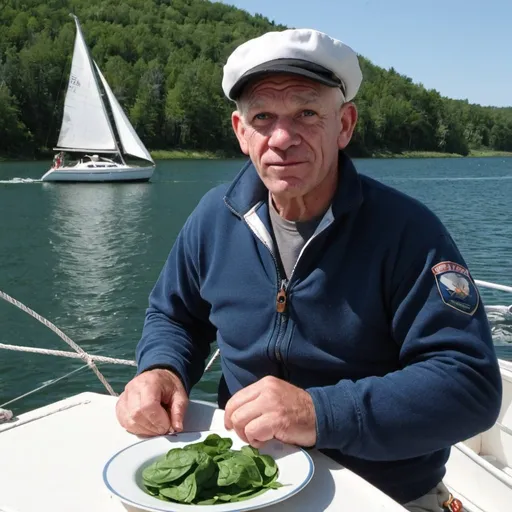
(292,129)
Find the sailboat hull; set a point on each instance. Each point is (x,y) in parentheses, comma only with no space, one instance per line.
(82,172)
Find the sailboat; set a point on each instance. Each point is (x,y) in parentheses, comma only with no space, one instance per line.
(87,129)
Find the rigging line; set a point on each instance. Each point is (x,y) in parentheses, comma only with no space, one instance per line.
(49,383)
(212,360)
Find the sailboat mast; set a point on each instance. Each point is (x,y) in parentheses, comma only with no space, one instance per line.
(91,64)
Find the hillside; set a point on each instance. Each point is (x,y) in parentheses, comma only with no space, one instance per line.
(164,62)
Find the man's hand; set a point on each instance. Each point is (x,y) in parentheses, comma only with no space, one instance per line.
(272,409)
(153,403)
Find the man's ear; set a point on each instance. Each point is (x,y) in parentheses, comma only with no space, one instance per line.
(240,130)
(348,115)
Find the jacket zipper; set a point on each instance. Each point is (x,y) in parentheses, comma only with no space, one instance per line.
(281,300)
(282,296)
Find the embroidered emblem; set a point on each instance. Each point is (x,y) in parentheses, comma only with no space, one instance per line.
(456,286)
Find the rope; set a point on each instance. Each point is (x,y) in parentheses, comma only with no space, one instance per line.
(83,355)
(62,353)
(98,359)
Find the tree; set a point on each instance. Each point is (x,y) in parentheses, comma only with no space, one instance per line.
(146,112)
(15,139)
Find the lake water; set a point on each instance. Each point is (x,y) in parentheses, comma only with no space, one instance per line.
(85,256)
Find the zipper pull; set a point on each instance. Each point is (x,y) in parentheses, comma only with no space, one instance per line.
(281,297)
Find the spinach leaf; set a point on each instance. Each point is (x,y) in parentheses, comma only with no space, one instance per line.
(176,463)
(241,470)
(210,501)
(151,490)
(225,455)
(242,497)
(212,445)
(183,493)
(250,451)
(270,465)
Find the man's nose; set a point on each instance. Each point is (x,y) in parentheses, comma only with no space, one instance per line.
(284,134)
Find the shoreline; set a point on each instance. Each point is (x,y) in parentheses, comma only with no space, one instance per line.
(476,153)
(208,155)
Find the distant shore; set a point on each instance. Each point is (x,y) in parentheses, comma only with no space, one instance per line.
(185,154)
(163,154)
(208,155)
(473,153)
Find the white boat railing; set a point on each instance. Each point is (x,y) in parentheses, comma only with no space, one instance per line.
(90,360)
(494,286)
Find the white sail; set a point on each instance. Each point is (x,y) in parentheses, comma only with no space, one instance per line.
(85,125)
(130,141)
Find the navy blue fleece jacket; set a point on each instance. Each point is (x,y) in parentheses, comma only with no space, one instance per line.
(383,324)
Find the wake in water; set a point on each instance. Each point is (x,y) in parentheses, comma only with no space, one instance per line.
(20,180)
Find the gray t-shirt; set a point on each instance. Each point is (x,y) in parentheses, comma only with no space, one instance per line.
(291,237)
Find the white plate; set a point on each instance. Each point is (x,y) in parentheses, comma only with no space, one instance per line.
(122,473)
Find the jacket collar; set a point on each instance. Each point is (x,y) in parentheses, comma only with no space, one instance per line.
(247,189)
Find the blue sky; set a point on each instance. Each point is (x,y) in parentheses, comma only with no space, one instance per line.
(463,49)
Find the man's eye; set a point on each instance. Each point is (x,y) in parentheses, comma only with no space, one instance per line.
(262,116)
(308,113)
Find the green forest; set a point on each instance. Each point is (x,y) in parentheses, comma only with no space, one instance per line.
(163,60)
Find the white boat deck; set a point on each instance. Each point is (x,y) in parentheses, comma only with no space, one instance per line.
(53,457)
(480,469)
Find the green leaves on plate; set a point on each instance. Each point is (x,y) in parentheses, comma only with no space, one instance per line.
(210,472)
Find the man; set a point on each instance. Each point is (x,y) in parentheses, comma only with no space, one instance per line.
(345,315)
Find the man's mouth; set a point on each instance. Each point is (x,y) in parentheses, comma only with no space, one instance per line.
(284,164)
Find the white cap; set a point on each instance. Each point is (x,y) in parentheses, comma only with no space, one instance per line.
(303,52)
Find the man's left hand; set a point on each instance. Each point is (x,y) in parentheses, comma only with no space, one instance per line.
(272,409)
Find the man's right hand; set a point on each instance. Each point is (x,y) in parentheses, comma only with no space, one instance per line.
(153,403)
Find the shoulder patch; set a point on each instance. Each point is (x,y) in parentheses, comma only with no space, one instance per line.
(456,287)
